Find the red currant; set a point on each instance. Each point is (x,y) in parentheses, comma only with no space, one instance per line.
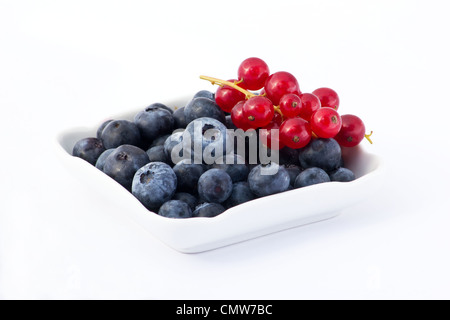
(279,84)
(277,118)
(326,122)
(328,97)
(352,131)
(310,104)
(258,111)
(253,72)
(295,133)
(290,105)
(227,97)
(237,116)
(270,134)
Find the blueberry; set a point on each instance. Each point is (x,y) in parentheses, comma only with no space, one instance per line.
(175,141)
(88,149)
(293,171)
(229,123)
(268,179)
(251,167)
(102,127)
(289,156)
(186,197)
(203,107)
(311,176)
(208,139)
(102,159)
(154,122)
(159,106)
(205,94)
(122,164)
(157,154)
(241,193)
(215,185)
(208,210)
(341,163)
(179,118)
(154,184)
(342,175)
(159,141)
(247,145)
(175,209)
(321,153)
(188,174)
(234,165)
(120,132)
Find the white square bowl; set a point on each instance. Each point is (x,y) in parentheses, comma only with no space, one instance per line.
(250,220)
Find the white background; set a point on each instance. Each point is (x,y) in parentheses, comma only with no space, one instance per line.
(70,63)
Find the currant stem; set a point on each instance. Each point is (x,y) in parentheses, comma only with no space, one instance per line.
(230,84)
(367,136)
(277,109)
(234,85)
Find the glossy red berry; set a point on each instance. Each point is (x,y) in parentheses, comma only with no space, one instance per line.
(328,97)
(258,111)
(277,118)
(270,135)
(310,104)
(326,122)
(290,105)
(352,131)
(237,116)
(227,97)
(279,84)
(253,72)
(295,133)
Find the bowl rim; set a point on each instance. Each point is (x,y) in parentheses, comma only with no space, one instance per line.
(237,213)
(379,166)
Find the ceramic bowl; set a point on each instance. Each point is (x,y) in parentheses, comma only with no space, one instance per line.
(250,220)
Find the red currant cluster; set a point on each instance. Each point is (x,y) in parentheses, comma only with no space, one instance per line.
(279,104)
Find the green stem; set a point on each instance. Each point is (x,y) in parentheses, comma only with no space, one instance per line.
(248,94)
(367,136)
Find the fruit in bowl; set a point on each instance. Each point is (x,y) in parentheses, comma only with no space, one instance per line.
(212,155)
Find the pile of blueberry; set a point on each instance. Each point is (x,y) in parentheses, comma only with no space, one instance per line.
(210,155)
